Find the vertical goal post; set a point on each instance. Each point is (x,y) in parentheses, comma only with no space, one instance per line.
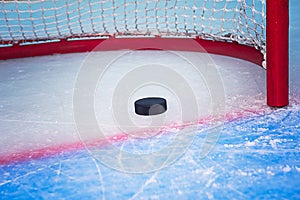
(277,50)
(252,30)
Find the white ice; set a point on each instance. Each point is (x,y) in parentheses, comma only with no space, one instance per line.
(36,105)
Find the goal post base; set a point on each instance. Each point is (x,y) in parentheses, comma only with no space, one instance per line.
(232,49)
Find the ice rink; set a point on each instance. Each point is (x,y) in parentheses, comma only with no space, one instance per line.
(254,151)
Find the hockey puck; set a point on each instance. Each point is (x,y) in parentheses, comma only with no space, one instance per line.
(150,106)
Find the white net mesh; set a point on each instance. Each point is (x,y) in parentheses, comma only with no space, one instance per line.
(242,21)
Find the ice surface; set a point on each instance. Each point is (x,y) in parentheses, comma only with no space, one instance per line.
(234,170)
(36,105)
(256,156)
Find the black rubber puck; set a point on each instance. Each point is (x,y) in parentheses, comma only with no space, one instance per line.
(150,106)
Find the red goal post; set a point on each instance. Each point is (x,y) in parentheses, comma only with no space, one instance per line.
(277,51)
(253,30)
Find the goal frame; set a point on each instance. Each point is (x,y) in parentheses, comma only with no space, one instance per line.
(277,49)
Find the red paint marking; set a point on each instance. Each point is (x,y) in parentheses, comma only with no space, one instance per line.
(53,150)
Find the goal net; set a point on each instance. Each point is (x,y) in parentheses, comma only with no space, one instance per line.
(230,20)
(240,21)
